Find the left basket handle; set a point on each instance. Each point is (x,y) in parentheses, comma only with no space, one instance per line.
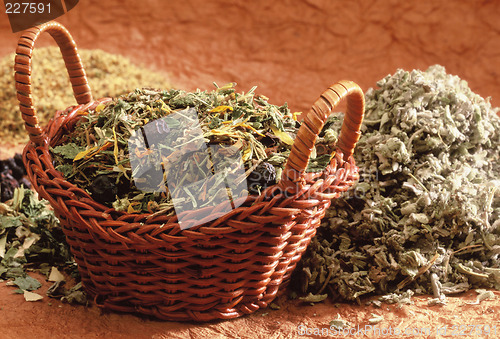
(22,67)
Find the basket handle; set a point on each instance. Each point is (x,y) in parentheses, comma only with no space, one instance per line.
(313,123)
(22,76)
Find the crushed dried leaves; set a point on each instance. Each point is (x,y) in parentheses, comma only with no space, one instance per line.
(425,214)
(31,240)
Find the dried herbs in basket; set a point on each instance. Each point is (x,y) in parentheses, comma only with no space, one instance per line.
(426,212)
(104,153)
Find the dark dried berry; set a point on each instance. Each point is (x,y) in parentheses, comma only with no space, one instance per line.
(17,172)
(13,165)
(7,186)
(12,173)
(10,162)
(262,176)
(4,166)
(18,158)
(103,189)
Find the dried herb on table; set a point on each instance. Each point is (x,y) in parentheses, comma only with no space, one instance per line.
(30,240)
(425,214)
(175,136)
(109,75)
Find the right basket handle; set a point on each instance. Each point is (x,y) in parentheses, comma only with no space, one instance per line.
(313,123)
(22,76)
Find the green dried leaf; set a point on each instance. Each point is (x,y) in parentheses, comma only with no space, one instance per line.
(65,169)
(9,221)
(76,295)
(27,283)
(274,306)
(312,298)
(68,151)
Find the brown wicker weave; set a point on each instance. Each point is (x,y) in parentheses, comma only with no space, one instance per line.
(146,264)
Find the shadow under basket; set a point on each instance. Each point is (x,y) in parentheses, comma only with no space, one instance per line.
(222,269)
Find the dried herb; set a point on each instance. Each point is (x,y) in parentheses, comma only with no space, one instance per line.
(375,319)
(403,298)
(32,296)
(137,152)
(425,214)
(30,239)
(109,76)
(310,298)
(483,295)
(339,323)
(75,295)
(27,283)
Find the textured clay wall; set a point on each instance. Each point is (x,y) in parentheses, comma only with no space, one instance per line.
(292,50)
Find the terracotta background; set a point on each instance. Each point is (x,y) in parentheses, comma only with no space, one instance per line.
(292,50)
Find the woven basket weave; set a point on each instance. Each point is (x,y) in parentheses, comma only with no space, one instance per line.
(146,264)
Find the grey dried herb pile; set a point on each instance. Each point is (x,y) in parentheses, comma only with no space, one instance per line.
(426,212)
(109,75)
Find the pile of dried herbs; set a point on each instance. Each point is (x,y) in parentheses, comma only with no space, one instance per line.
(31,239)
(98,155)
(426,212)
(109,75)
(30,235)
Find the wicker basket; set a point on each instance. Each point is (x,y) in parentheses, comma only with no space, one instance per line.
(146,264)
